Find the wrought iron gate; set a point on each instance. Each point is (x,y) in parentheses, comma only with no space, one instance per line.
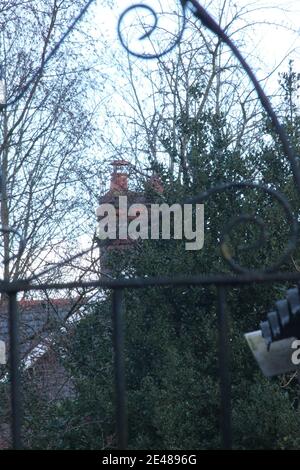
(221,282)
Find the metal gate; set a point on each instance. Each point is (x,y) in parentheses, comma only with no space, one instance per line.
(221,282)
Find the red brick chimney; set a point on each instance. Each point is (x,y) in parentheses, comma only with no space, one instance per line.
(119,177)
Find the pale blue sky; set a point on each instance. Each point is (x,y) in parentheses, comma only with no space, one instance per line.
(269,42)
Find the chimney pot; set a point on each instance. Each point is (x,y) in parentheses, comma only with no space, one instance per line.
(119,177)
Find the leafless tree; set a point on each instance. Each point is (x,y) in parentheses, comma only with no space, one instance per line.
(46,135)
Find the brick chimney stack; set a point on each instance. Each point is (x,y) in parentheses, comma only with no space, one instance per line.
(119,177)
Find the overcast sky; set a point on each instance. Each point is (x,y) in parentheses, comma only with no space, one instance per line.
(276,33)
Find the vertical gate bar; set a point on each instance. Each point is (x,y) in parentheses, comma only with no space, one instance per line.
(15,371)
(119,366)
(224,364)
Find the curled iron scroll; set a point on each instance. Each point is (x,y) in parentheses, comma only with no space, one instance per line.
(207,20)
(246,218)
(148,34)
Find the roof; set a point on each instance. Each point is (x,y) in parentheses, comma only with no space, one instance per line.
(28,303)
(112,197)
(38,318)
